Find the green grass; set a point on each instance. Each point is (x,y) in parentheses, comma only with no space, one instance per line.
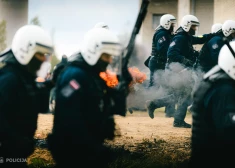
(147,154)
(40,163)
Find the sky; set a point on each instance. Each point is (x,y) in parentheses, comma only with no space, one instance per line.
(68,20)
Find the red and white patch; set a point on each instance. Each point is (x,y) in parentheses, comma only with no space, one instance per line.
(74,84)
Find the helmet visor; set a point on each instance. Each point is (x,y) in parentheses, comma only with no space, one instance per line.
(115,65)
(44,50)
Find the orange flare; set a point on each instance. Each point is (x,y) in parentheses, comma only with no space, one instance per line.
(112,81)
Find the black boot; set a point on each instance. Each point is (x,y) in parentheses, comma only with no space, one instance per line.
(151,105)
(181,124)
(150,108)
(130,110)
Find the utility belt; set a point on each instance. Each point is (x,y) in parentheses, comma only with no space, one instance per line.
(160,59)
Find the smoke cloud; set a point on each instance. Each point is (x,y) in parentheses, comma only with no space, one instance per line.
(176,80)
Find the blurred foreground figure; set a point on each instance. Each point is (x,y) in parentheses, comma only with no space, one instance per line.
(213,138)
(85,105)
(54,76)
(20,98)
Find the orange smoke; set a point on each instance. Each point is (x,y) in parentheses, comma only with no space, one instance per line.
(112,81)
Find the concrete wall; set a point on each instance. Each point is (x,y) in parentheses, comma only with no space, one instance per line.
(204,11)
(15,12)
(224,10)
(183,9)
(155,7)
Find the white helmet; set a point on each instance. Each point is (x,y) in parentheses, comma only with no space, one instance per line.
(98,41)
(166,21)
(29,40)
(189,20)
(228,27)
(216,27)
(101,25)
(226,60)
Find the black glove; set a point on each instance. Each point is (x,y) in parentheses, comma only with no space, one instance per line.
(187,62)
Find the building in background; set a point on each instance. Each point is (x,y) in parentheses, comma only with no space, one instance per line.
(15,13)
(202,9)
(223,10)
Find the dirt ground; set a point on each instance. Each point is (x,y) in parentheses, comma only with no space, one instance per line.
(135,128)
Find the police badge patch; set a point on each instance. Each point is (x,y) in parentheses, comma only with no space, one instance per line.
(161,39)
(214,46)
(70,88)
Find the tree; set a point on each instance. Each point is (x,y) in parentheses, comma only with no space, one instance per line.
(3,35)
(35,21)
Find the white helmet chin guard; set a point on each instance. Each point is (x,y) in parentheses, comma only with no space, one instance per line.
(228,27)
(98,41)
(101,25)
(188,21)
(166,21)
(226,60)
(29,40)
(216,27)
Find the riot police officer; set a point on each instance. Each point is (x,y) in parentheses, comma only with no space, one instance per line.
(160,43)
(209,53)
(20,98)
(181,51)
(213,138)
(85,105)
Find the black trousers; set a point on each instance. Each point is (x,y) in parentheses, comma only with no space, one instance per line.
(156,78)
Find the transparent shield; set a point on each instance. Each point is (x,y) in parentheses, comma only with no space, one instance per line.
(116,65)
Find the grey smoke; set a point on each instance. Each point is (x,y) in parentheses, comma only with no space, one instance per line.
(178,80)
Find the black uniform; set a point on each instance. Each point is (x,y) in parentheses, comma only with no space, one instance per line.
(55,74)
(83,116)
(181,51)
(213,138)
(20,103)
(160,43)
(208,56)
